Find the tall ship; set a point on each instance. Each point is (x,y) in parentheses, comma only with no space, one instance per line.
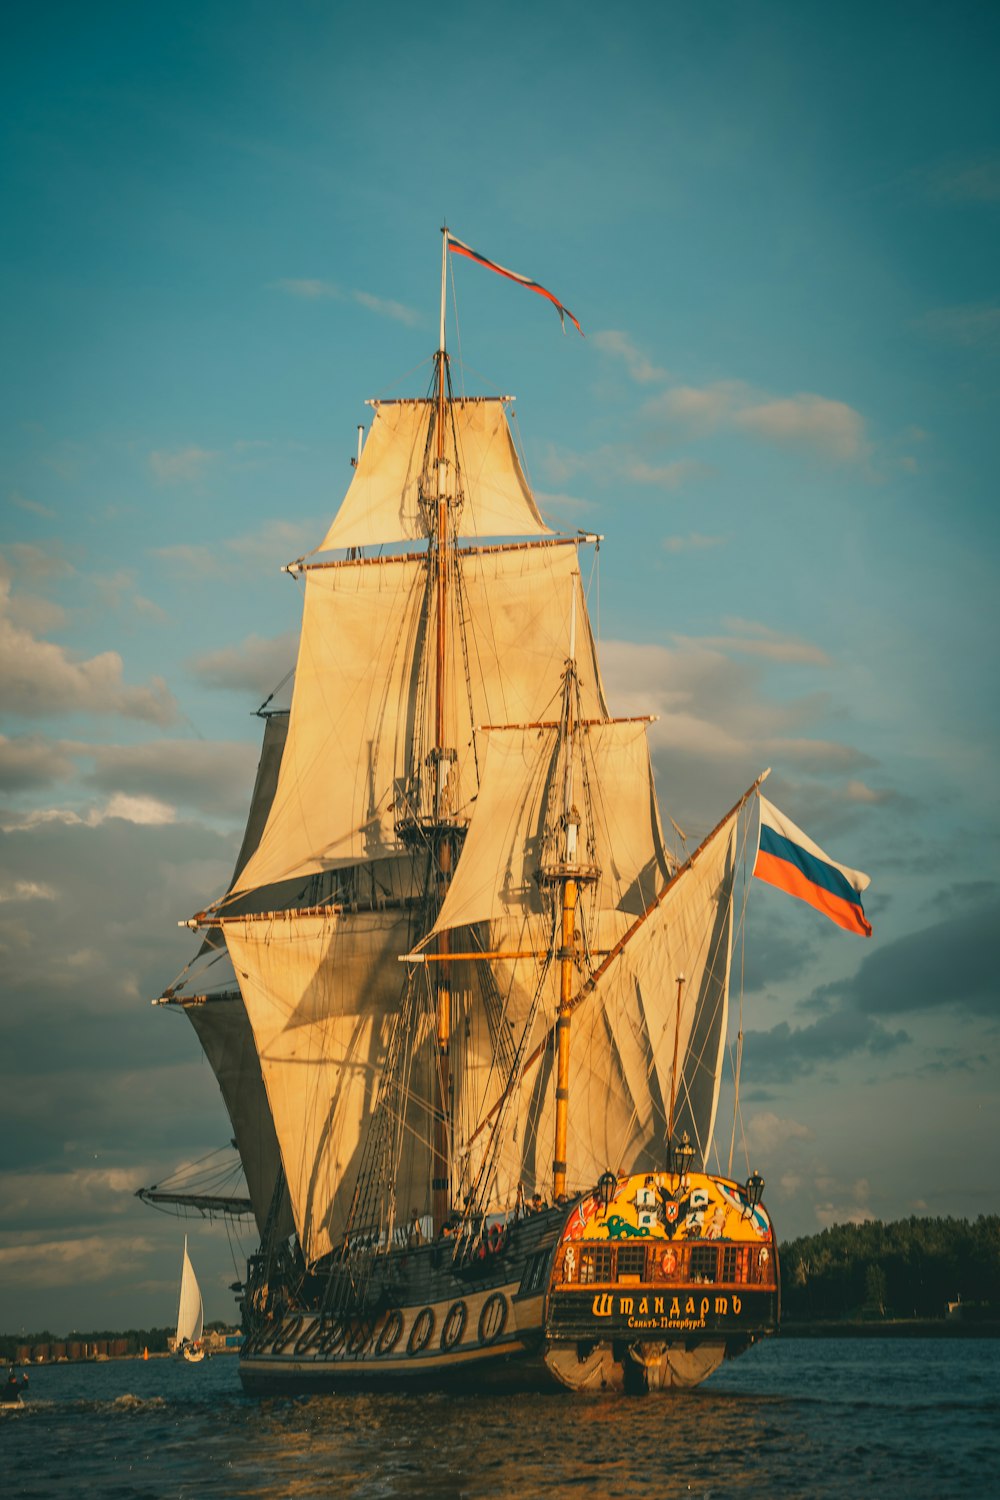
(473,1046)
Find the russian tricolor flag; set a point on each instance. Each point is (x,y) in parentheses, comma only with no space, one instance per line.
(787,858)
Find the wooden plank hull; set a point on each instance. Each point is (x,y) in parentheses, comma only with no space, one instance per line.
(590,1296)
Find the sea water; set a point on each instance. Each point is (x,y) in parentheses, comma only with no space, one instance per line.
(799,1417)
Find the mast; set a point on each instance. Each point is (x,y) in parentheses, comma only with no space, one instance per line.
(441,1160)
(567,877)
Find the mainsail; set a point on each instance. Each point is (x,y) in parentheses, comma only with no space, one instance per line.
(355,765)
(189,1305)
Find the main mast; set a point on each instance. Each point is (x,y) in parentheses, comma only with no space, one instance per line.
(442,758)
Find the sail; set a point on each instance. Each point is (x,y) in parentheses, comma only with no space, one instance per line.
(387,499)
(222,1028)
(623,1039)
(265,782)
(220,1021)
(505,848)
(360,730)
(321,990)
(189,1307)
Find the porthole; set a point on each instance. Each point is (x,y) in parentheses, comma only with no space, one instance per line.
(359,1335)
(493,1318)
(391,1329)
(454,1325)
(309,1338)
(333,1339)
(421,1331)
(286,1335)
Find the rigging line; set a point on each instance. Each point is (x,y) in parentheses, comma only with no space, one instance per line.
(260,714)
(738,1064)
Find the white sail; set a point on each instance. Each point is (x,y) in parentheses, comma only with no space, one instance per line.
(361,713)
(388,497)
(224,1031)
(623,1039)
(190,1313)
(497,875)
(220,1020)
(321,991)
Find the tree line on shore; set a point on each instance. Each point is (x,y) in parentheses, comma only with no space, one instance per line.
(138,1339)
(912,1268)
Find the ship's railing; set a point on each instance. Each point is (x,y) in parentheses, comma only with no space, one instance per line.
(691,1263)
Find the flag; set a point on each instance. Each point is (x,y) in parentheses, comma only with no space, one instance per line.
(459,249)
(788,858)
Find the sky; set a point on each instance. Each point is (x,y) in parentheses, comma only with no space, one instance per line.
(778,226)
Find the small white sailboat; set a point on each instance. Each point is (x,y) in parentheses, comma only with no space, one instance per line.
(190,1313)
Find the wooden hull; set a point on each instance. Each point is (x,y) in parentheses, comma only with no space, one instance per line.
(571,1301)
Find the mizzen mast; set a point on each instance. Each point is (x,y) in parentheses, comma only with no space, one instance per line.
(565,876)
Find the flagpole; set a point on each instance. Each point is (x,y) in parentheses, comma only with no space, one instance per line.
(444,283)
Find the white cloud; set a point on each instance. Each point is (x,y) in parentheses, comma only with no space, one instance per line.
(569,505)
(386,308)
(640,368)
(34,506)
(117,591)
(146,782)
(831,427)
(753,639)
(25,890)
(696,410)
(256,665)
(146,811)
(38,678)
(182,465)
(138,809)
(669,476)
(71,1262)
(767,1133)
(313,289)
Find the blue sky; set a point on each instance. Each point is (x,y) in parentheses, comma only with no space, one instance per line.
(778,226)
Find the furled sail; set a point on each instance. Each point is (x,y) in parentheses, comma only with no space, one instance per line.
(484,481)
(360,730)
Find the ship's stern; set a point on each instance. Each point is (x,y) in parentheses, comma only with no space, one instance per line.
(657,1278)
